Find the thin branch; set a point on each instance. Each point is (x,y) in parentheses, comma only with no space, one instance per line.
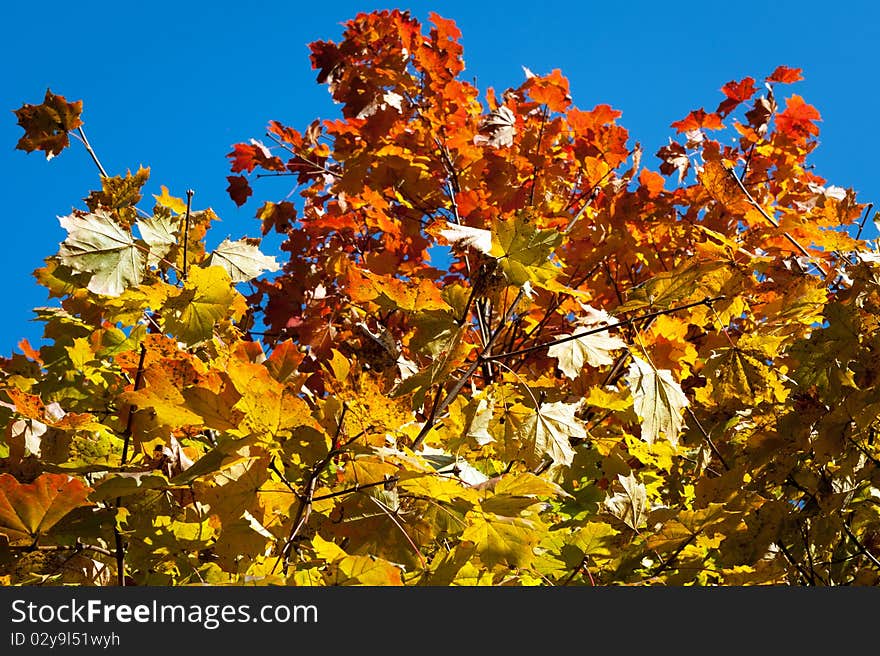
(189,197)
(864,219)
(864,551)
(803,251)
(78,547)
(668,562)
(450,397)
(355,488)
(581,565)
(708,439)
(317,166)
(91,151)
(791,561)
(304,509)
(535,169)
(626,322)
(129,425)
(138,379)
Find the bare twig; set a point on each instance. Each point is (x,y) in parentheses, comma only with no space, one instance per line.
(91,151)
(864,219)
(862,549)
(189,197)
(535,169)
(129,425)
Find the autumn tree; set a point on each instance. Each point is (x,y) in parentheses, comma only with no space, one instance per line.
(606,374)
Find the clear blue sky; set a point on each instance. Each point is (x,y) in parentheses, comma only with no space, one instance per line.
(172,85)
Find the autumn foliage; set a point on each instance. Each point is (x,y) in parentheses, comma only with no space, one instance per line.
(501,348)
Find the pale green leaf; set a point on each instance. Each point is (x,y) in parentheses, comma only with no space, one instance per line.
(242,260)
(160,233)
(98,245)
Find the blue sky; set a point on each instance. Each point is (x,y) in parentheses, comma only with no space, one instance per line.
(172,85)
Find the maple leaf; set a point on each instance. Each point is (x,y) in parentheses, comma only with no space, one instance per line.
(46,125)
(166,200)
(736,92)
(592,349)
(28,510)
(629,506)
(206,298)
(478,238)
(785,75)
(241,259)
(524,251)
(498,129)
(160,232)
(299,450)
(501,540)
(548,432)
(674,158)
(698,119)
(657,399)
(98,245)
(239,190)
(797,120)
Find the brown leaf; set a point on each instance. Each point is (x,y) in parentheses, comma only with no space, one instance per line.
(46,125)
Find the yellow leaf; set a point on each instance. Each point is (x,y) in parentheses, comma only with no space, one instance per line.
(171,202)
(502,540)
(206,299)
(366,570)
(657,399)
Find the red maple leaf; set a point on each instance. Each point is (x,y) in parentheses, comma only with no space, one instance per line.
(736,93)
(238,189)
(785,75)
(797,120)
(699,119)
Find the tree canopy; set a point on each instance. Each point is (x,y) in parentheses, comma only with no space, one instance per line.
(498,347)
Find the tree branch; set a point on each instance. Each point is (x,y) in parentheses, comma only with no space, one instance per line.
(450,397)
(803,251)
(626,322)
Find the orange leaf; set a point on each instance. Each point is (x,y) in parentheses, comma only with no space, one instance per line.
(582,122)
(30,352)
(651,181)
(551,90)
(31,509)
(408,296)
(699,119)
(797,120)
(785,75)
